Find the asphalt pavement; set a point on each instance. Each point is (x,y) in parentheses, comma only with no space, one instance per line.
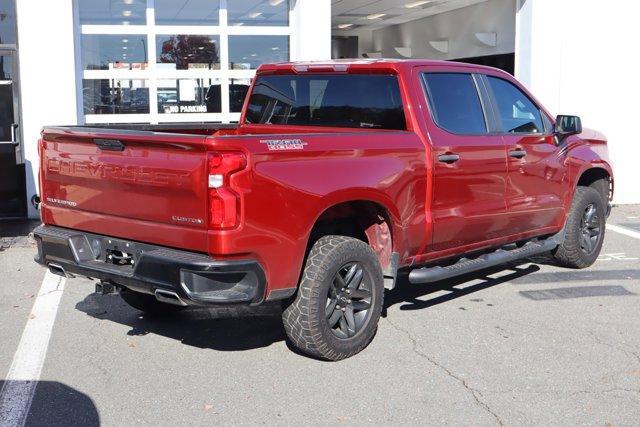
(528,343)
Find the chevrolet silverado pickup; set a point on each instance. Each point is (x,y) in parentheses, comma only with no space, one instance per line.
(338,176)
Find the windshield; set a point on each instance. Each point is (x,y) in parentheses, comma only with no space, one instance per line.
(338,100)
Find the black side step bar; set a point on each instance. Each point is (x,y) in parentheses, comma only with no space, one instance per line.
(465,265)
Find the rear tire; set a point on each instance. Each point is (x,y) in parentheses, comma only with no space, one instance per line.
(584,230)
(148,304)
(339,301)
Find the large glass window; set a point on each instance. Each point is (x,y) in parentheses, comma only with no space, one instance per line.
(189,96)
(115,96)
(188,51)
(347,100)
(258,12)
(248,52)
(175,60)
(238,89)
(187,12)
(107,52)
(7,21)
(517,113)
(454,102)
(121,12)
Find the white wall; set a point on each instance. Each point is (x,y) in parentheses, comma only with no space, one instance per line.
(458,27)
(365,38)
(311,38)
(579,57)
(47,75)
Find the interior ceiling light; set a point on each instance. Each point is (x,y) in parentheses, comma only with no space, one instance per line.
(416,4)
(127,1)
(275,48)
(125,22)
(275,2)
(254,15)
(376,16)
(126,13)
(125,40)
(343,26)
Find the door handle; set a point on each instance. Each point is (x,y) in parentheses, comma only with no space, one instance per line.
(14,128)
(517,154)
(448,158)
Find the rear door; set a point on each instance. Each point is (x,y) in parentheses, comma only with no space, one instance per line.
(535,185)
(469,169)
(126,183)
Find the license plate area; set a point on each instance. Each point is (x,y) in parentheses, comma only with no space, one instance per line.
(119,252)
(106,252)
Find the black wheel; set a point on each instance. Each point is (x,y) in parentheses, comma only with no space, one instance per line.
(336,311)
(149,304)
(584,230)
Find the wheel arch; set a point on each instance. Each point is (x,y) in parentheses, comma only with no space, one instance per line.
(366,219)
(598,177)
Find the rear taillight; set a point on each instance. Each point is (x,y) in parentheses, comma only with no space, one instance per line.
(224,202)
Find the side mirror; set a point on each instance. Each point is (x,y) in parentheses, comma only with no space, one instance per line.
(568,125)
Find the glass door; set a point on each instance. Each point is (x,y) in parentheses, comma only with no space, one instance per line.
(12,172)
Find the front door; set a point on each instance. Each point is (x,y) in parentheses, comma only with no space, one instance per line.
(12,171)
(536,185)
(469,162)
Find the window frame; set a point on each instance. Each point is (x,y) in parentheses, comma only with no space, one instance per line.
(153,73)
(396,76)
(500,130)
(487,110)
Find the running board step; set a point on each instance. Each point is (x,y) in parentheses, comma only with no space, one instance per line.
(465,265)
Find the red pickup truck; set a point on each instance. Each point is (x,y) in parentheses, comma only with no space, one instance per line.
(338,176)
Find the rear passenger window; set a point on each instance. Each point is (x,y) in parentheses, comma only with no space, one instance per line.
(517,113)
(454,102)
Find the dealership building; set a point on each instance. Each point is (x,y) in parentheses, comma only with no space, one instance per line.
(167,61)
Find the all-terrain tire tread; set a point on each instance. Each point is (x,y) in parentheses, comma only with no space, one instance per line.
(568,253)
(301,321)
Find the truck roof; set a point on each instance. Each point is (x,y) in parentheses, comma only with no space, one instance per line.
(362,64)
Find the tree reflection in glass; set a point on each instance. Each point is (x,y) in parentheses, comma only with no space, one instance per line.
(189,51)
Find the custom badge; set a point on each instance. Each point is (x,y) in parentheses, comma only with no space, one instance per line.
(187,220)
(283,144)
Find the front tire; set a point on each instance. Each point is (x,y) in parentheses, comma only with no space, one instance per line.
(584,230)
(339,301)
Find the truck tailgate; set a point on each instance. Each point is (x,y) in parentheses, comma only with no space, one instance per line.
(126,183)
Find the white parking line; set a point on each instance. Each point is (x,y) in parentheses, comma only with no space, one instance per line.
(20,385)
(623,230)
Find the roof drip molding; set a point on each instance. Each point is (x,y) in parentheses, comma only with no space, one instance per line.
(405,52)
(440,45)
(374,54)
(488,39)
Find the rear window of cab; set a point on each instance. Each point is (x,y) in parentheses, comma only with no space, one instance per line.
(335,100)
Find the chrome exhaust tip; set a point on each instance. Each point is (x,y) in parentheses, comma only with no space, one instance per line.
(57,270)
(169,297)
